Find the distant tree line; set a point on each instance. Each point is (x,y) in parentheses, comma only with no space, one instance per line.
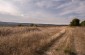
(31,25)
(76,22)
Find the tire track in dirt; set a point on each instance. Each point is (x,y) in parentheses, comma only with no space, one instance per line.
(64,46)
(54,39)
(70,48)
(72,42)
(57,46)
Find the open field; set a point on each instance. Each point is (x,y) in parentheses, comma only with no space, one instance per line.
(42,41)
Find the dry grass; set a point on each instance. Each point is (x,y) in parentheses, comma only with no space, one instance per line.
(37,40)
(24,40)
(79,40)
(71,43)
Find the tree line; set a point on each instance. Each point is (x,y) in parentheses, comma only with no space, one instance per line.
(76,22)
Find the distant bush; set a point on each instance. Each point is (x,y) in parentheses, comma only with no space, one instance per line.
(75,22)
(83,23)
(33,25)
(20,25)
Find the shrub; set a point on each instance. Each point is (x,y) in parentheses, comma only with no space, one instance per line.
(20,25)
(33,25)
(75,22)
(83,23)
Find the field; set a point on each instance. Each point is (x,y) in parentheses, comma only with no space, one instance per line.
(42,40)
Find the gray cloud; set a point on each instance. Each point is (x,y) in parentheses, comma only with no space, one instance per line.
(41,11)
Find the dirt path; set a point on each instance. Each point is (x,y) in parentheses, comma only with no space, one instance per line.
(64,46)
(52,40)
(57,46)
(71,42)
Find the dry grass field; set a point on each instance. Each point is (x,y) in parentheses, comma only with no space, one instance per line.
(25,40)
(42,40)
(71,43)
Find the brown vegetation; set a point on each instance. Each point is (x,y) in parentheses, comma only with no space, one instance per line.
(71,43)
(42,41)
(25,40)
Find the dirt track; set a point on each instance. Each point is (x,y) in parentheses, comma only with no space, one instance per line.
(71,42)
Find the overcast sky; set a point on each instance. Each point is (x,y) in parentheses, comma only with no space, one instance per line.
(41,11)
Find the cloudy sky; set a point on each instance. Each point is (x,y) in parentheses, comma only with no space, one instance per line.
(41,11)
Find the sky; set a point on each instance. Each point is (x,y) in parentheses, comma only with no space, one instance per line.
(42,11)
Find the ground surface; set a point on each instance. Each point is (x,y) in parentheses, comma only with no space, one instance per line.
(72,42)
(42,41)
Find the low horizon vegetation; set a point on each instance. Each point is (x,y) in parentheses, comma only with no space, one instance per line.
(76,22)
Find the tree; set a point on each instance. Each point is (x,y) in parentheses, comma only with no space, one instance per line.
(20,25)
(83,23)
(75,22)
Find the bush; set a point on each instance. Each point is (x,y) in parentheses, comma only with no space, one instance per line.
(20,25)
(33,25)
(83,23)
(75,22)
